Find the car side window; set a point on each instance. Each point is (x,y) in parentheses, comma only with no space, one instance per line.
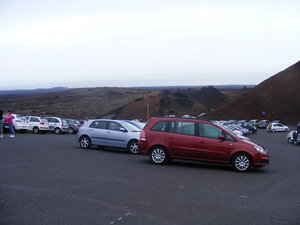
(182,127)
(160,126)
(114,126)
(229,137)
(98,124)
(34,119)
(207,130)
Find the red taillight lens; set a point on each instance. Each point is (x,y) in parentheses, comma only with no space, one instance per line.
(42,123)
(143,136)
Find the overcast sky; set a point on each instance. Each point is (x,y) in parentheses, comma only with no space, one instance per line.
(95,43)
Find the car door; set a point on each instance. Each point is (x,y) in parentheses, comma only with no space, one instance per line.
(51,123)
(212,143)
(116,135)
(97,132)
(181,139)
(279,127)
(33,121)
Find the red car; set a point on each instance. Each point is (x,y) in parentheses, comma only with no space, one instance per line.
(177,138)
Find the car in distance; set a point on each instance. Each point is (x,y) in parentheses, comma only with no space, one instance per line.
(164,139)
(57,125)
(275,127)
(73,125)
(263,123)
(19,123)
(110,133)
(37,124)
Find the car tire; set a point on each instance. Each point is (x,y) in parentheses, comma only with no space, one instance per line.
(242,162)
(71,130)
(133,147)
(35,130)
(159,155)
(273,130)
(85,142)
(57,130)
(286,130)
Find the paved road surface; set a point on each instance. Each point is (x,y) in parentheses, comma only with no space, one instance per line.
(48,179)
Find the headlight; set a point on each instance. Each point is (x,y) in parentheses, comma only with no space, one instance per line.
(260,149)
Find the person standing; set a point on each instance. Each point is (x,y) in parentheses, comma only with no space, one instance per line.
(1,123)
(9,121)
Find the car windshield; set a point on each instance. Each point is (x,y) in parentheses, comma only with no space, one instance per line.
(131,127)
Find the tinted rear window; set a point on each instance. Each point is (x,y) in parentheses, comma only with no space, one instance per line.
(160,126)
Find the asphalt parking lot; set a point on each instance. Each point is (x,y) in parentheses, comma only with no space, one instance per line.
(48,179)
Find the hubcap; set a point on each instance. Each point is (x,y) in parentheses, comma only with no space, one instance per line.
(158,155)
(134,147)
(242,163)
(84,142)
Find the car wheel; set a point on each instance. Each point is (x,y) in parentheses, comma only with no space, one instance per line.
(57,130)
(35,130)
(273,130)
(286,129)
(242,162)
(133,147)
(85,142)
(71,130)
(159,155)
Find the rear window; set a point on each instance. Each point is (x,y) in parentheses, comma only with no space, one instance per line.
(160,126)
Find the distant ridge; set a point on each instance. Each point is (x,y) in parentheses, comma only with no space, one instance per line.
(33,91)
(219,87)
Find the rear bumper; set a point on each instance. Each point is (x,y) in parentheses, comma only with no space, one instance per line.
(143,148)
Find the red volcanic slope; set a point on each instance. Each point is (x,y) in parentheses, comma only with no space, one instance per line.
(278,97)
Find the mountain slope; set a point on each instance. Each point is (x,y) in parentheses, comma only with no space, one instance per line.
(278,97)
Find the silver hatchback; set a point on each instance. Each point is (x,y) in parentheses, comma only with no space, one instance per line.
(112,133)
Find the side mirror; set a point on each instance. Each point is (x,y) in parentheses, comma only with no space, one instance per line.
(221,138)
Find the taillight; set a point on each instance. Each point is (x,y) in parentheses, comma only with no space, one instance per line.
(42,123)
(143,136)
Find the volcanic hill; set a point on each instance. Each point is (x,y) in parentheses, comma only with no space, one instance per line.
(278,97)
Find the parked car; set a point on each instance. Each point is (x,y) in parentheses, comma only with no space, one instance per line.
(18,123)
(164,139)
(253,122)
(113,133)
(37,124)
(57,125)
(73,125)
(275,127)
(263,123)
(252,129)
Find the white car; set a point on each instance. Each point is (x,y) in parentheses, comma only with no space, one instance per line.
(273,127)
(19,123)
(57,125)
(37,124)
